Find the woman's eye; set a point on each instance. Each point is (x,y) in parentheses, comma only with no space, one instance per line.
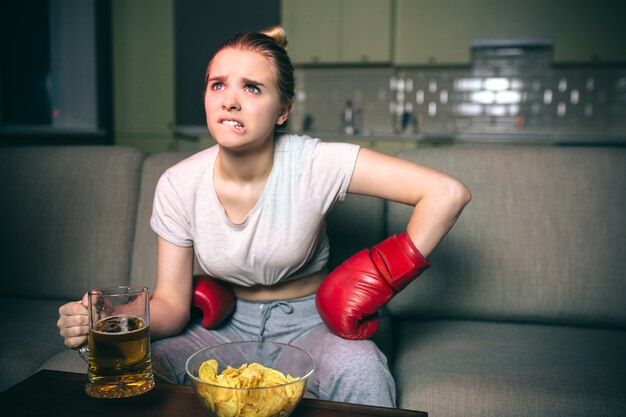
(217,86)
(252,88)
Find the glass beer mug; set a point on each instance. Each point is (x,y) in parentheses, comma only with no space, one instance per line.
(118,349)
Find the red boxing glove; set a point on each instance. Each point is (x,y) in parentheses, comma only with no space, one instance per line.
(348,299)
(214,298)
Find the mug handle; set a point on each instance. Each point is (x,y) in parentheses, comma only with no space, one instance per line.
(83,351)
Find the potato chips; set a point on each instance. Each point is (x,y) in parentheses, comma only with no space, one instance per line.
(261,391)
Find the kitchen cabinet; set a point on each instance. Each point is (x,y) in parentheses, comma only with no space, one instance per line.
(312,30)
(367,28)
(338,31)
(427,32)
(442,31)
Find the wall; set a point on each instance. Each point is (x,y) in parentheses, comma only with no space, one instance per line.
(508,93)
(144,99)
(143,74)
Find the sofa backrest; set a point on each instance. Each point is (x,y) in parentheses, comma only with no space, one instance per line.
(67,218)
(353,225)
(543,239)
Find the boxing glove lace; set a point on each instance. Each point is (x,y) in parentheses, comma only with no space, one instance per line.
(348,299)
(214,298)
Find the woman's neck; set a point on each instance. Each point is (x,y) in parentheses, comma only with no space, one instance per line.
(246,167)
(239,180)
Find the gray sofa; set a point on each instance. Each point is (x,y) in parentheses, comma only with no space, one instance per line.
(522,313)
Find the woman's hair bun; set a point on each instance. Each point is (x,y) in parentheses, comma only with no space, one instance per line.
(278,34)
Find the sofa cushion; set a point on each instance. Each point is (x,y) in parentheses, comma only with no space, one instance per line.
(30,337)
(542,239)
(68,218)
(463,368)
(67,360)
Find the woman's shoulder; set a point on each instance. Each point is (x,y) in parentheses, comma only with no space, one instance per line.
(304,153)
(291,141)
(194,165)
(304,143)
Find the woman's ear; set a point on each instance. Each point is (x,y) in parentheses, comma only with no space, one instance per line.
(284,114)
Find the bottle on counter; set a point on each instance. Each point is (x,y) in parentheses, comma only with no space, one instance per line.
(357,121)
(348,118)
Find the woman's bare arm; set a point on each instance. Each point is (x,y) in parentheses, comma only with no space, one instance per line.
(437,197)
(170,305)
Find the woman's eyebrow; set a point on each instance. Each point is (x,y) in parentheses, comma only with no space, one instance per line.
(218,78)
(251,81)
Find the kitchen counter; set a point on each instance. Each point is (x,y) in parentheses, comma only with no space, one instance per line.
(196,138)
(491,137)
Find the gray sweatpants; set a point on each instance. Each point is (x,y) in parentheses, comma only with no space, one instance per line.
(353,371)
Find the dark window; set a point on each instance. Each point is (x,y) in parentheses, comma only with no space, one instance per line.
(25,58)
(55,72)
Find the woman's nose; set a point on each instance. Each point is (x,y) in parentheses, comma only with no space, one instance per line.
(230,102)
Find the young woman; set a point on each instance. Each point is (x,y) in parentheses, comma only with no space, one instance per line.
(252,209)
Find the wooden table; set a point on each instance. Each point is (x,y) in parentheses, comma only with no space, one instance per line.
(54,393)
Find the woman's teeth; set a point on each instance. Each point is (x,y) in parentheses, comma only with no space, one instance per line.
(232,123)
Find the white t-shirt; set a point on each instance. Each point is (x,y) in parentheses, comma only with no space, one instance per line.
(283,237)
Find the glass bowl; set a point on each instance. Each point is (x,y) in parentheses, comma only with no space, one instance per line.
(265,401)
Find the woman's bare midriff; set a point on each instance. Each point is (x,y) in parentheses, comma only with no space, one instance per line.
(300,287)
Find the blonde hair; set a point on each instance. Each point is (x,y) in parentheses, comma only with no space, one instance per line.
(278,34)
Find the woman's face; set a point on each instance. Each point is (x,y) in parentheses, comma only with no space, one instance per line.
(242,101)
